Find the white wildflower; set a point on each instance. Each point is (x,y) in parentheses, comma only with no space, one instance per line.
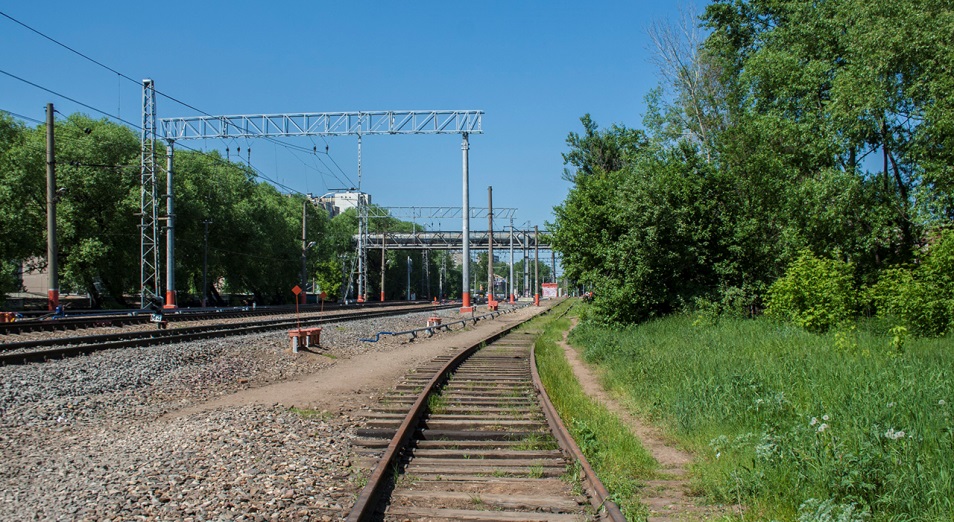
(822,428)
(813,422)
(825,417)
(941,402)
(891,405)
(893,435)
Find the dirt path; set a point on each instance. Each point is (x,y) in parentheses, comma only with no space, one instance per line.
(666,497)
(353,383)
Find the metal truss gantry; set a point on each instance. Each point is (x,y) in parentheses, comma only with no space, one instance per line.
(453,240)
(356,123)
(436,212)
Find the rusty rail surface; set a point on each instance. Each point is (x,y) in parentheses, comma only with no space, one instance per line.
(481,451)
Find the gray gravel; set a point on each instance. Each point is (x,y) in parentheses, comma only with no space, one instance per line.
(85,438)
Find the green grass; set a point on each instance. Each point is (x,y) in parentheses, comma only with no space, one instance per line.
(308,413)
(437,403)
(792,424)
(617,457)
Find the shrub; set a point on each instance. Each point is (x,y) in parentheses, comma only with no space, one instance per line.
(921,298)
(814,293)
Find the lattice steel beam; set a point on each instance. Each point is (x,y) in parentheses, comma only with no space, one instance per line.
(436,212)
(451,240)
(359,123)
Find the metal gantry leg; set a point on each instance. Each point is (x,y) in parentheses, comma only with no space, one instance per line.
(511,281)
(466,307)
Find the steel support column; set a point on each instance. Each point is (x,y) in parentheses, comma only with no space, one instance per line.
(53,292)
(490,246)
(465,306)
(170,233)
(512,288)
(536,266)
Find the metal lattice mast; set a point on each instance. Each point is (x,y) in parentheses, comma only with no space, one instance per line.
(148,242)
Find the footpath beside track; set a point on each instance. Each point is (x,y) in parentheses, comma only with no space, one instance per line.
(472,437)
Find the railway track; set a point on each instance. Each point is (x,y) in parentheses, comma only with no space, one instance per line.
(82,321)
(40,350)
(474,437)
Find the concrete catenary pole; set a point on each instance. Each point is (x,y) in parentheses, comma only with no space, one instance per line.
(53,292)
(304,252)
(205,263)
(384,260)
(490,245)
(170,233)
(465,305)
(536,265)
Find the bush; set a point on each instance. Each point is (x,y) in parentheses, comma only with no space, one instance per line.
(921,298)
(814,293)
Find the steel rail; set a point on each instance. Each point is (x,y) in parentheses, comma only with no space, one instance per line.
(371,495)
(46,323)
(601,497)
(444,326)
(154,337)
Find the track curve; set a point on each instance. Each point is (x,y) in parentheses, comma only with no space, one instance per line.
(472,437)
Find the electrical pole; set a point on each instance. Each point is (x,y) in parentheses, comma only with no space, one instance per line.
(512,287)
(170,234)
(205,264)
(408,278)
(526,264)
(490,245)
(384,262)
(536,265)
(304,250)
(465,305)
(53,293)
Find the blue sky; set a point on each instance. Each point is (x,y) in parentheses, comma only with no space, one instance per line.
(533,67)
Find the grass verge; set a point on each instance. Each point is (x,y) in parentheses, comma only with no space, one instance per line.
(616,455)
(847,426)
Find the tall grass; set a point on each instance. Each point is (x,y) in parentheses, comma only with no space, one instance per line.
(848,425)
(617,457)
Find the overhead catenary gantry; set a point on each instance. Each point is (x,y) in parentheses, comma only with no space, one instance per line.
(355,123)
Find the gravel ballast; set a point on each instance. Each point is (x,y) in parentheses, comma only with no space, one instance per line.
(98,438)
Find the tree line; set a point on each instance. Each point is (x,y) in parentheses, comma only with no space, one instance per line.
(783,133)
(254,231)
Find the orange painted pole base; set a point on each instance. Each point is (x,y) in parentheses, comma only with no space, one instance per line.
(382,296)
(466,307)
(511,299)
(52,299)
(536,299)
(170,300)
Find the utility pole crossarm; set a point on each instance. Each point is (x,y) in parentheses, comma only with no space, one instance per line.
(357,123)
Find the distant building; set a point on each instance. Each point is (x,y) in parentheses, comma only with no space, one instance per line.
(337,202)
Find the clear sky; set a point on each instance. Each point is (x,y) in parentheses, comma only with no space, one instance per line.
(533,67)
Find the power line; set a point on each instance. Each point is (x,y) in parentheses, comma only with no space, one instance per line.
(167,96)
(61,44)
(258,173)
(104,66)
(22,117)
(90,107)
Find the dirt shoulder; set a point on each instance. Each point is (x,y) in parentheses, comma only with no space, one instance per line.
(352,383)
(667,497)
